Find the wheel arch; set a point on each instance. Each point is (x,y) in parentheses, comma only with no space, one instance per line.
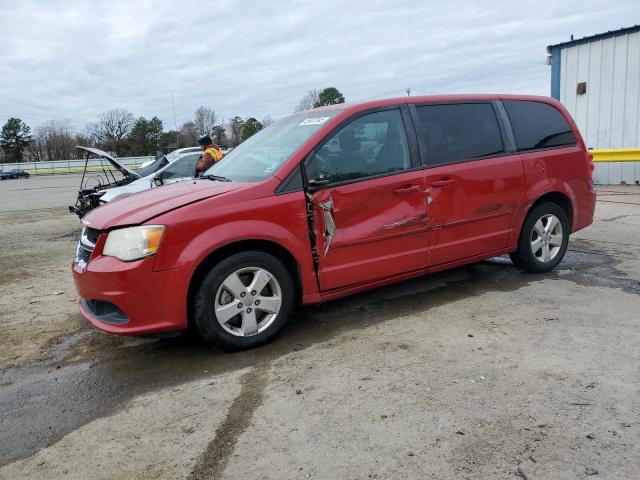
(563,199)
(267,246)
(558,198)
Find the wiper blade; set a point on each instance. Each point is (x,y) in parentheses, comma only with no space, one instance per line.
(216,178)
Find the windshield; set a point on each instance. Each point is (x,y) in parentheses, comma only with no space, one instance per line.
(261,155)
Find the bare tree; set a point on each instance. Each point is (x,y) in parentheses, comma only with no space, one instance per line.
(205,119)
(189,134)
(308,101)
(111,131)
(55,139)
(36,151)
(266,121)
(84,139)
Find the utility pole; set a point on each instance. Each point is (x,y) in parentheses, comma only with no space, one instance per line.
(175,121)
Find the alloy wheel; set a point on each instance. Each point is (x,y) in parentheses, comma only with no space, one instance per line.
(248,301)
(546,238)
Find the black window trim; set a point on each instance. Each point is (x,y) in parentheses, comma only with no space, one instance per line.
(540,149)
(507,147)
(410,133)
(288,185)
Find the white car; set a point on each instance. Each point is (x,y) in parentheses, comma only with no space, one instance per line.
(174,155)
(182,166)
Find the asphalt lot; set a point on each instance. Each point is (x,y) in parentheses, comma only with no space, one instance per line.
(480,372)
(42,191)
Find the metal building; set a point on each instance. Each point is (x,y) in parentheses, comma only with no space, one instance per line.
(597,78)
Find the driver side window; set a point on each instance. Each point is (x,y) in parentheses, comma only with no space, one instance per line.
(374,144)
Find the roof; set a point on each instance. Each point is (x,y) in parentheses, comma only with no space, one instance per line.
(594,38)
(458,97)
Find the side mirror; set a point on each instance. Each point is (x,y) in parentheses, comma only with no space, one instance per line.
(318,182)
(158,181)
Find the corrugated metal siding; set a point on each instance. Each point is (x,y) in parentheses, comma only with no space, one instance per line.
(608,115)
(614,173)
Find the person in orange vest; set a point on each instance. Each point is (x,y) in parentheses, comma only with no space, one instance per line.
(211,154)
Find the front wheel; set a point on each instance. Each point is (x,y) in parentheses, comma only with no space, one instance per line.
(244,301)
(543,239)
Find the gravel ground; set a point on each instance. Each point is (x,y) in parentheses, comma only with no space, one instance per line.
(480,372)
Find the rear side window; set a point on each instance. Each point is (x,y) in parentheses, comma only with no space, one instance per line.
(538,125)
(458,132)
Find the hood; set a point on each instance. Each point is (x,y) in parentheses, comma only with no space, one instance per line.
(111,194)
(138,208)
(112,161)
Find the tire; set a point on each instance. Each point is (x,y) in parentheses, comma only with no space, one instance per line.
(543,239)
(261,314)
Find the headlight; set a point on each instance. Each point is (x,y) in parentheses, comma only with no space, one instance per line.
(133,243)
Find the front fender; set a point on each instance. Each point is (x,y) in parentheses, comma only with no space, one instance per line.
(280,220)
(220,236)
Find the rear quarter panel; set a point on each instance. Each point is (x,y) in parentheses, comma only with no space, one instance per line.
(563,170)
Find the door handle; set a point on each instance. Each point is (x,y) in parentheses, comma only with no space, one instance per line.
(407,189)
(443,182)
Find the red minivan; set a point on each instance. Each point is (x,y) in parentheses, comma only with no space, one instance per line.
(333,201)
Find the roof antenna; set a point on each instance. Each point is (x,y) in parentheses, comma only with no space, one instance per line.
(571,39)
(408,92)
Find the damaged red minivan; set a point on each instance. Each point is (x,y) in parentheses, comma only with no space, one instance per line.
(333,201)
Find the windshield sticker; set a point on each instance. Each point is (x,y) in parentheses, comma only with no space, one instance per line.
(314,121)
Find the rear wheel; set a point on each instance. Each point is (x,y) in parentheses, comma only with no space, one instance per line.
(244,301)
(543,239)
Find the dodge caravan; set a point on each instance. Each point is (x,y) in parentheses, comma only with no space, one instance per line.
(333,201)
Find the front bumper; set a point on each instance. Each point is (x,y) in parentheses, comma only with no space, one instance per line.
(149,301)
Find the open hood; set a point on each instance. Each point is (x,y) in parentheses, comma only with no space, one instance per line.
(114,163)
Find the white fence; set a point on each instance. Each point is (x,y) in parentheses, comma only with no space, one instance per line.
(71,166)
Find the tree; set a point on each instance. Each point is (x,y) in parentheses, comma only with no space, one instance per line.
(111,131)
(15,137)
(266,121)
(54,140)
(189,134)
(205,119)
(218,134)
(251,127)
(308,101)
(236,125)
(169,141)
(83,139)
(154,134)
(137,140)
(329,96)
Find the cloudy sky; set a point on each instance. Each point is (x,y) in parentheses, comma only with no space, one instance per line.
(75,59)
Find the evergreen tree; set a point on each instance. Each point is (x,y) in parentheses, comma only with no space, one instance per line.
(15,137)
(251,127)
(329,96)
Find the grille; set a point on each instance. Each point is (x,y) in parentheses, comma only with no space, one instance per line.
(88,239)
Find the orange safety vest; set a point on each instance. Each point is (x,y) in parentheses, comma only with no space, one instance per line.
(214,152)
